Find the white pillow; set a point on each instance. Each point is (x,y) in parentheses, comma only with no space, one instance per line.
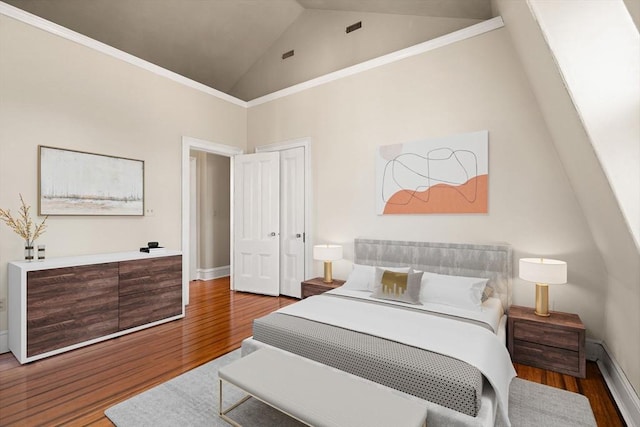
(457,291)
(363,277)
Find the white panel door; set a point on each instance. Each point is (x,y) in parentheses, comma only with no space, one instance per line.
(292,226)
(256,223)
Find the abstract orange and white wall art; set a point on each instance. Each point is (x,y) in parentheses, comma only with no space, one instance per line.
(436,175)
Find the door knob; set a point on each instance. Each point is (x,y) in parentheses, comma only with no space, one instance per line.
(273,234)
(298,235)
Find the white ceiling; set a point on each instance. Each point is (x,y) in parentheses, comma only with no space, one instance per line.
(214,42)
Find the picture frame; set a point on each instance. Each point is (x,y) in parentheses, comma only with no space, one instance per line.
(72,182)
(444,175)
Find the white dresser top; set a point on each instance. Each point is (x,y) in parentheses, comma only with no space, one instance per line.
(89,259)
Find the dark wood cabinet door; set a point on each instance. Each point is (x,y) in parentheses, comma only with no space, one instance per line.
(67,306)
(316,286)
(555,343)
(150,290)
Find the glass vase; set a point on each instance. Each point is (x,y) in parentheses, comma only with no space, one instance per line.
(28,250)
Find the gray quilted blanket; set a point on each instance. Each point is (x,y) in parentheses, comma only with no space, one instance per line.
(440,379)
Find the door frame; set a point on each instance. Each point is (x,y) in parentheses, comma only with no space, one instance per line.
(188,144)
(194,230)
(308,225)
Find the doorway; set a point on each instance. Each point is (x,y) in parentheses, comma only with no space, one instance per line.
(190,145)
(292,284)
(210,220)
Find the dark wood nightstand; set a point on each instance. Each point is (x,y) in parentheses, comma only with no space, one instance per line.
(316,286)
(556,343)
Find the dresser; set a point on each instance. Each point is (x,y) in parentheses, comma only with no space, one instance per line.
(60,304)
(555,343)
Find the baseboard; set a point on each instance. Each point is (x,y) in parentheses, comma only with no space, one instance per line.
(4,342)
(213,273)
(621,389)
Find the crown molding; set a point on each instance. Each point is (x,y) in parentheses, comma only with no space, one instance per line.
(65,33)
(456,36)
(447,39)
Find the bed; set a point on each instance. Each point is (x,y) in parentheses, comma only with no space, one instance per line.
(451,355)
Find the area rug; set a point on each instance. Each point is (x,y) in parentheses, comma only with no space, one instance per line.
(191,400)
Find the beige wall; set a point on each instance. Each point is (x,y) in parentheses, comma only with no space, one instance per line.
(59,93)
(55,92)
(472,85)
(322,45)
(214,217)
(607,225)
(634,11)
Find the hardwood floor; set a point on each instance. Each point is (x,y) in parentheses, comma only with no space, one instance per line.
(75,388)
(593,387)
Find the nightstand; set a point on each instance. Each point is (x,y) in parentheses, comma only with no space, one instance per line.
(316,286)
(556,343)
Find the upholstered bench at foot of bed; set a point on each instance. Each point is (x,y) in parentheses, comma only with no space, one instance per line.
(316,394)
(438,416)
(430,376)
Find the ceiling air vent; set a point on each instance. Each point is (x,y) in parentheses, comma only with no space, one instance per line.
(287,54)
(354,27)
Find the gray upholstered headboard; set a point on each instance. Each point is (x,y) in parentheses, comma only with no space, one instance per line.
(494,262)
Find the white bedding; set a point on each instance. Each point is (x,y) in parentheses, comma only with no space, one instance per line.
(440,334)
(490,314)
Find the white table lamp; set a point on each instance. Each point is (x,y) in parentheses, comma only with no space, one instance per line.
(543,272)
(327,253)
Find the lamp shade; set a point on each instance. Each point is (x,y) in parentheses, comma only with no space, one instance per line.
(543,270)
(327,252)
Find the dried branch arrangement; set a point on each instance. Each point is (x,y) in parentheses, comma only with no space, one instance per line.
(23,226)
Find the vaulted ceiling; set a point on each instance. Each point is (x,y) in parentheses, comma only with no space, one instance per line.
(215,42)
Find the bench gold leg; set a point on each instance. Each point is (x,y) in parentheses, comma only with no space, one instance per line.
(222,413)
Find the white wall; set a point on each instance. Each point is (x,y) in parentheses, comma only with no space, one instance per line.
(56,92)
(472,85)
(322,45)
(597,49)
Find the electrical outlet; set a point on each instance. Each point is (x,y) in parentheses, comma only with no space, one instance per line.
(149,212)
(3,304)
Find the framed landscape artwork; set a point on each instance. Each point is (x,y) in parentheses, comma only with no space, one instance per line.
(78,183)
(434,176)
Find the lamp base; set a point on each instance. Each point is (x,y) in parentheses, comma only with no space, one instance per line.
(542,300)
(327,272)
